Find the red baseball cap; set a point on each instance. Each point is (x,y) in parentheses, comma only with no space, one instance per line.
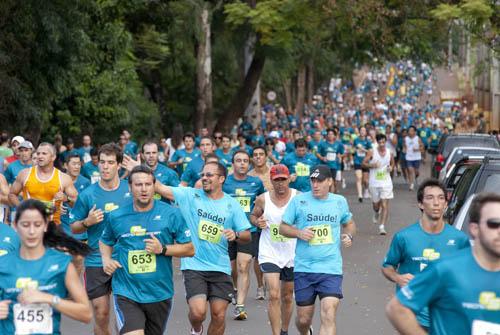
(279,171)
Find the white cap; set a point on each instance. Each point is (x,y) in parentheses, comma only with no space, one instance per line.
(18,139)
(274,134)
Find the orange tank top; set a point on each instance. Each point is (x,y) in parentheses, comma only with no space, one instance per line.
(34,188)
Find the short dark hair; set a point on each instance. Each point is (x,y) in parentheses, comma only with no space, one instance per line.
(261,147)
(331,130)
(478,203)
(240,151)
(94,152)
(379,137)
(430,182)
(212,155)
(190,135)
(112,149)
(221,169)
(73,155)
(414,128)
(226,136)
(141,169)
(149,142)
(207,138)
(300,143)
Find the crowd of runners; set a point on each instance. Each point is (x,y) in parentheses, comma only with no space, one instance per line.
(94,226)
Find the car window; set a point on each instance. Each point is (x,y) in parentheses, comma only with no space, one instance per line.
(492,183)
(482,142)
(465,184)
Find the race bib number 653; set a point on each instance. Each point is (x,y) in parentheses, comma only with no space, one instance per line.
(33,319)
(141,261)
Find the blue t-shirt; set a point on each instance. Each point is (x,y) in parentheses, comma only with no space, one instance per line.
(193,170)
(47,274)
(244,192)
(332,152)
(301,166)
(13,170)
(107,201)
(186,156)
(322,254)
(457,291)
(91,172)
(81,183)
(130,149)
(166,176)
(359,154)
(412,249)
(9,241)
(225,159)
(314,146)
(247,148)
(206,218)
(144,277)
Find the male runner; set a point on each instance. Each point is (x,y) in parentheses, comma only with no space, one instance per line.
(331,152)
(413,148)
(24,154)
(182,157)
(45,182)
(276,252)
(380,162)
(260,167)
(90,170)
(244,189)
(225,153)
(315,218)
(192,172)
(429,239)
(91,214)
(299,163)
(163,174)
(361,146)
(462,292)
(214,218)
(137,247)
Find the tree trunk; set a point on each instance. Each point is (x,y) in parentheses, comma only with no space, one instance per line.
(159,98)
(203,72)
(288,94)
(240,101)
(310,83)
(301,90)
(252,111)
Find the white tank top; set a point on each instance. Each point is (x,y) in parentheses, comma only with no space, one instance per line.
(412,149)
(3,213)
(275,248)
(380,177)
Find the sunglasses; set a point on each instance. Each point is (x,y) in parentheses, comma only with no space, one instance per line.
(208,175)
(493,223)
(218,137)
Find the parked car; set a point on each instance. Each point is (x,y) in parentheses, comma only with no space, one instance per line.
(484,177)
(449,142)
(473,153)
(461,221)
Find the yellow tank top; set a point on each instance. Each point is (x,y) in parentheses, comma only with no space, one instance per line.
(44,191)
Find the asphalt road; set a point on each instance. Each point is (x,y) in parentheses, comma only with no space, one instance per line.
(366,291)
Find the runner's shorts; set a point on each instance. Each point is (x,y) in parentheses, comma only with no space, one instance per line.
(379,193)
(251,248)
(286,274)
(97,282)
(211,284)
(413,164)
(150,317)
(309,285)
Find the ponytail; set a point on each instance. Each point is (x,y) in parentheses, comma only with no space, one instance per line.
(54,237)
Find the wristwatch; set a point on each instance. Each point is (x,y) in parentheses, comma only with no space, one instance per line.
(164,250)
(237,236)
(55,300)
(349,235)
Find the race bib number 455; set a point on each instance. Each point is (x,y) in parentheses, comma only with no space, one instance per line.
(141,261)
(33,319)
(322,234)
(209,231)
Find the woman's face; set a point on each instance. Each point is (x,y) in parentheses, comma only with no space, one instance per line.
(31,227)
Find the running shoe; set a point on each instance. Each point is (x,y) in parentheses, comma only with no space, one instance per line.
(366,195)
(381,230)
(261,294)
(311,330)
(412,186)
(375,217)
(240,313)
(284,332)
(344,185)
(234,296)
(360,199)
(193,332)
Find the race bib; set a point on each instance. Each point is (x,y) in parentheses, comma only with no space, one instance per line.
(302,170)
(434,136)
(244,203)
(141,261)
(322,234)
(209,231)
(33,319)
(361,153)
(157,196)
(274,229)
(380,175)
(480,327)
(95,178)
(330,156)
(423,133)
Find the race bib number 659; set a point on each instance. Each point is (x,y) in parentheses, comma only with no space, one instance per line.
(209,231)
(33,319)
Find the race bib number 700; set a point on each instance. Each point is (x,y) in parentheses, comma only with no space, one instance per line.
(33,319)
(322,234)
(480,327)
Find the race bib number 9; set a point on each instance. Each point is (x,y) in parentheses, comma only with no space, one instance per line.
(141,261)
(322,235)
(275,233)
(302,170)
(244,203)
(33,319)
(480,327)
(209,231)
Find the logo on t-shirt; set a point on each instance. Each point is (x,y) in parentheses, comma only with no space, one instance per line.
(490,301)
(24,283)
(431,254)
(109,207)
(137,231)
(3,252)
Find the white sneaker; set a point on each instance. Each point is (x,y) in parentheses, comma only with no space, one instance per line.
(412,186)
(366,194)
(381,230)
(375,217)
(197,333)
(343,184)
